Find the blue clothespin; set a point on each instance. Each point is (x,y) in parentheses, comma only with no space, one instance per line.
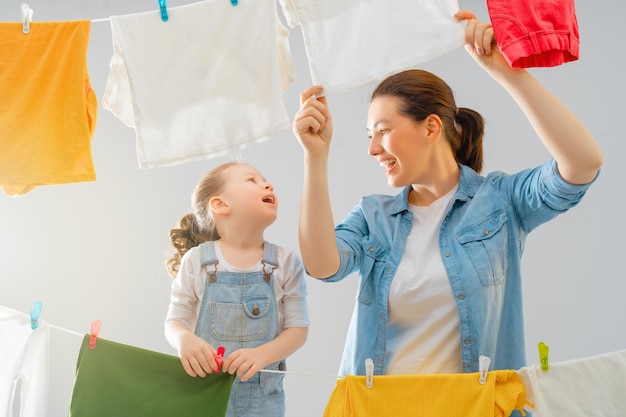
(543,355)
(234,2)
(35,313)
(163,8)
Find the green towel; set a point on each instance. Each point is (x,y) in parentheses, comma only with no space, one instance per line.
(117,380)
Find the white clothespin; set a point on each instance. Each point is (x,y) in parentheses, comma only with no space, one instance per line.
(483,368)
(27,18)
(369,373)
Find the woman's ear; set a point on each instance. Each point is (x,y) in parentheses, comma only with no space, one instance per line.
(217,205)
(434,126)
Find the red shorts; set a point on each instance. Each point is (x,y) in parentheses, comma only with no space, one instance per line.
(535,33)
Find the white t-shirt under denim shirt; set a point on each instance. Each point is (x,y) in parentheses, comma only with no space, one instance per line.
(423,324)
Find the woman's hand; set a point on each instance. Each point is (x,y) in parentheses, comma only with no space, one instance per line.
(313,123)
(480,43)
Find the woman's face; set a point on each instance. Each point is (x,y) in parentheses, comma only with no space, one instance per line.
(400,145)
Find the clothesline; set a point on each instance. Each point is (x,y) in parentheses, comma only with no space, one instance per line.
(72,332)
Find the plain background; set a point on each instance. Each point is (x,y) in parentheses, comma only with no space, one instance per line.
(96,250)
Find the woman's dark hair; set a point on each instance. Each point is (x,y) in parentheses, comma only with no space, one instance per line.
(421,94)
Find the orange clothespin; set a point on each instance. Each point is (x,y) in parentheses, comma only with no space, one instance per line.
(93,334)
(219,358)
(35,313)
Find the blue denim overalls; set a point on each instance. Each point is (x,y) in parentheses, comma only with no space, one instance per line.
(239,311)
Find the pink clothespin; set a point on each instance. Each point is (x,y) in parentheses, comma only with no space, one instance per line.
(93,334)
(219,358)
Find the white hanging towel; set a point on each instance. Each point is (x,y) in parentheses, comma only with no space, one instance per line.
(350,43)
(208,80)
(23,365)
(593,386)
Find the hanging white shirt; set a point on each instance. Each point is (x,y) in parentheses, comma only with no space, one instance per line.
(205,82)
(351,43)
(592,386)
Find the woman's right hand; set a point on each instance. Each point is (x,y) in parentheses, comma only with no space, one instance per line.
(312,123)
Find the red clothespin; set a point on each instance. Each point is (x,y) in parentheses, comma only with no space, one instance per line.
(93,334)
(219,357)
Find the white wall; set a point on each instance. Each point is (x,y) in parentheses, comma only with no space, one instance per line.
(96,250)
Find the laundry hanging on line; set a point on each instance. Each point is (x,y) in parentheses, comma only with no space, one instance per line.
(48,108)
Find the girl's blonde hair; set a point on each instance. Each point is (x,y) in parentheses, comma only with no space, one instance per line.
(198,226)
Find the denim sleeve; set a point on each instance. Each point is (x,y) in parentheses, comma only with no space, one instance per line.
(540,194)
(349,235)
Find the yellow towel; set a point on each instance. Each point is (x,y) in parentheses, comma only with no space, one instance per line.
(441,395)
(47,106)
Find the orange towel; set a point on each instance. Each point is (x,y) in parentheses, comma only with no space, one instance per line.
(47,106)
(441,395)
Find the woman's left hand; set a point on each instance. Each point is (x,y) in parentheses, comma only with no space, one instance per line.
(481,44)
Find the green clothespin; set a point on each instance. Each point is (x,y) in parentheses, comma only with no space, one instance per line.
(543,355)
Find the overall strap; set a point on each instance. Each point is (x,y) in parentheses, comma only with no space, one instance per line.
(270,259)
(270,253)
(208,253)
(209,258)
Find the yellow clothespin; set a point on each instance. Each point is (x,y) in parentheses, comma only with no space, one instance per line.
(543,355)
(27,18)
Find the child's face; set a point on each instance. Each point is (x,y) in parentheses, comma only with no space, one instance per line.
(248,193)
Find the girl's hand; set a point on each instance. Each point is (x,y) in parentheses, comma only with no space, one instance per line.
(196,355)
(481,44)
(245,362)
(312,123)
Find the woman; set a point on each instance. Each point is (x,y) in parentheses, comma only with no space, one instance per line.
(439,263)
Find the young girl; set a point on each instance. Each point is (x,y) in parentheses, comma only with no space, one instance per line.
(233,289)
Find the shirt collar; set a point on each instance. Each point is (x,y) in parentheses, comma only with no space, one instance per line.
(469,181)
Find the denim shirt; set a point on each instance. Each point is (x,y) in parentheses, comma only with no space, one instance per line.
(481,241)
